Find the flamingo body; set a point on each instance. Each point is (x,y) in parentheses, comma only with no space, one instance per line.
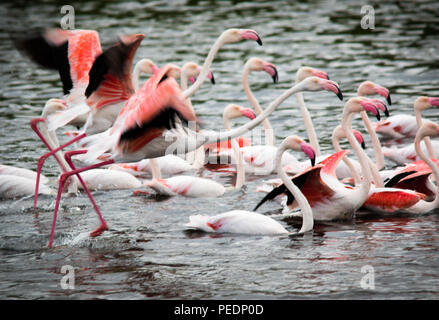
(236,221)
(16,187)
(188,186)
(104,179)
(21,172)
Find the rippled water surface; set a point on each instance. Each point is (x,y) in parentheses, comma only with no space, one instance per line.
(147,253)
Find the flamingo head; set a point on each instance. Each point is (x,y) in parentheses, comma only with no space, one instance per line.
(236,35)
(358,104)
(317,84)
(147,66)
(52,106)
(382,106)
(174,71)
(296,143)
(369,88)
(428,128)
(256,64)
(422,103)
(235,111)
(193,70)
(359,136)
(305,72)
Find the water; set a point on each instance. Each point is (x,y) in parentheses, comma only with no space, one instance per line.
(147,253)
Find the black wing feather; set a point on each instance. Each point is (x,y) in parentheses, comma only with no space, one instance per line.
(298,181)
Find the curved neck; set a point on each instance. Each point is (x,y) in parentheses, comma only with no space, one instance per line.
(307,215)
(268,129)
(221,136)
(205,69)
(347,161)
(379,157)
(427,141)
(240,172)
(313,140)
(435,203)
(363,190)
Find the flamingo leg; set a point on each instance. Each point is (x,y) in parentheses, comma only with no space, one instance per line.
(34,125)
(63,178)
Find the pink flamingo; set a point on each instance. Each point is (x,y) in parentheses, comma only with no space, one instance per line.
(383,201)
(250,222)
(327,196)
(403,125)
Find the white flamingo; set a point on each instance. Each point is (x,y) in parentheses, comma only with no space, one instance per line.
(250,222)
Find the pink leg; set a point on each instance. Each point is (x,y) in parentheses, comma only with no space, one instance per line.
(63,179)
(53,152)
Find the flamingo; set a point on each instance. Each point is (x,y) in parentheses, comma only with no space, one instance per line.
(404,125)
(191,186)
(367,88)
(427,129)
(327,196)
(301,74)
(250,222)
(132,142)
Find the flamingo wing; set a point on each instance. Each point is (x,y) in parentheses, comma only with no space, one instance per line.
(157,106)
(392,199)
(299,180)
(110,75)
(71,53)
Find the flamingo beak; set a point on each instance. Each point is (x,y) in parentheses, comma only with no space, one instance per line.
(332,86)
(372,108)
(363,145)
(248,113)
(433,101)
(309,151)
(389,101)
(272,71)
(384,92)
(211,77)
(248,34)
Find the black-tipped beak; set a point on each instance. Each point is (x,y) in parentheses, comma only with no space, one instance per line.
(275,77)
(363,145)
(378,116)
(212,79)
(259,41)
(389,101)
(313,161)
(386,112)
(327,77)
(339,94)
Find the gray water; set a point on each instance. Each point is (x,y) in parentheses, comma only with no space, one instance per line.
(146,253)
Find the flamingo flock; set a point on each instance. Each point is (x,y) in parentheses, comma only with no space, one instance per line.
(129,134)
